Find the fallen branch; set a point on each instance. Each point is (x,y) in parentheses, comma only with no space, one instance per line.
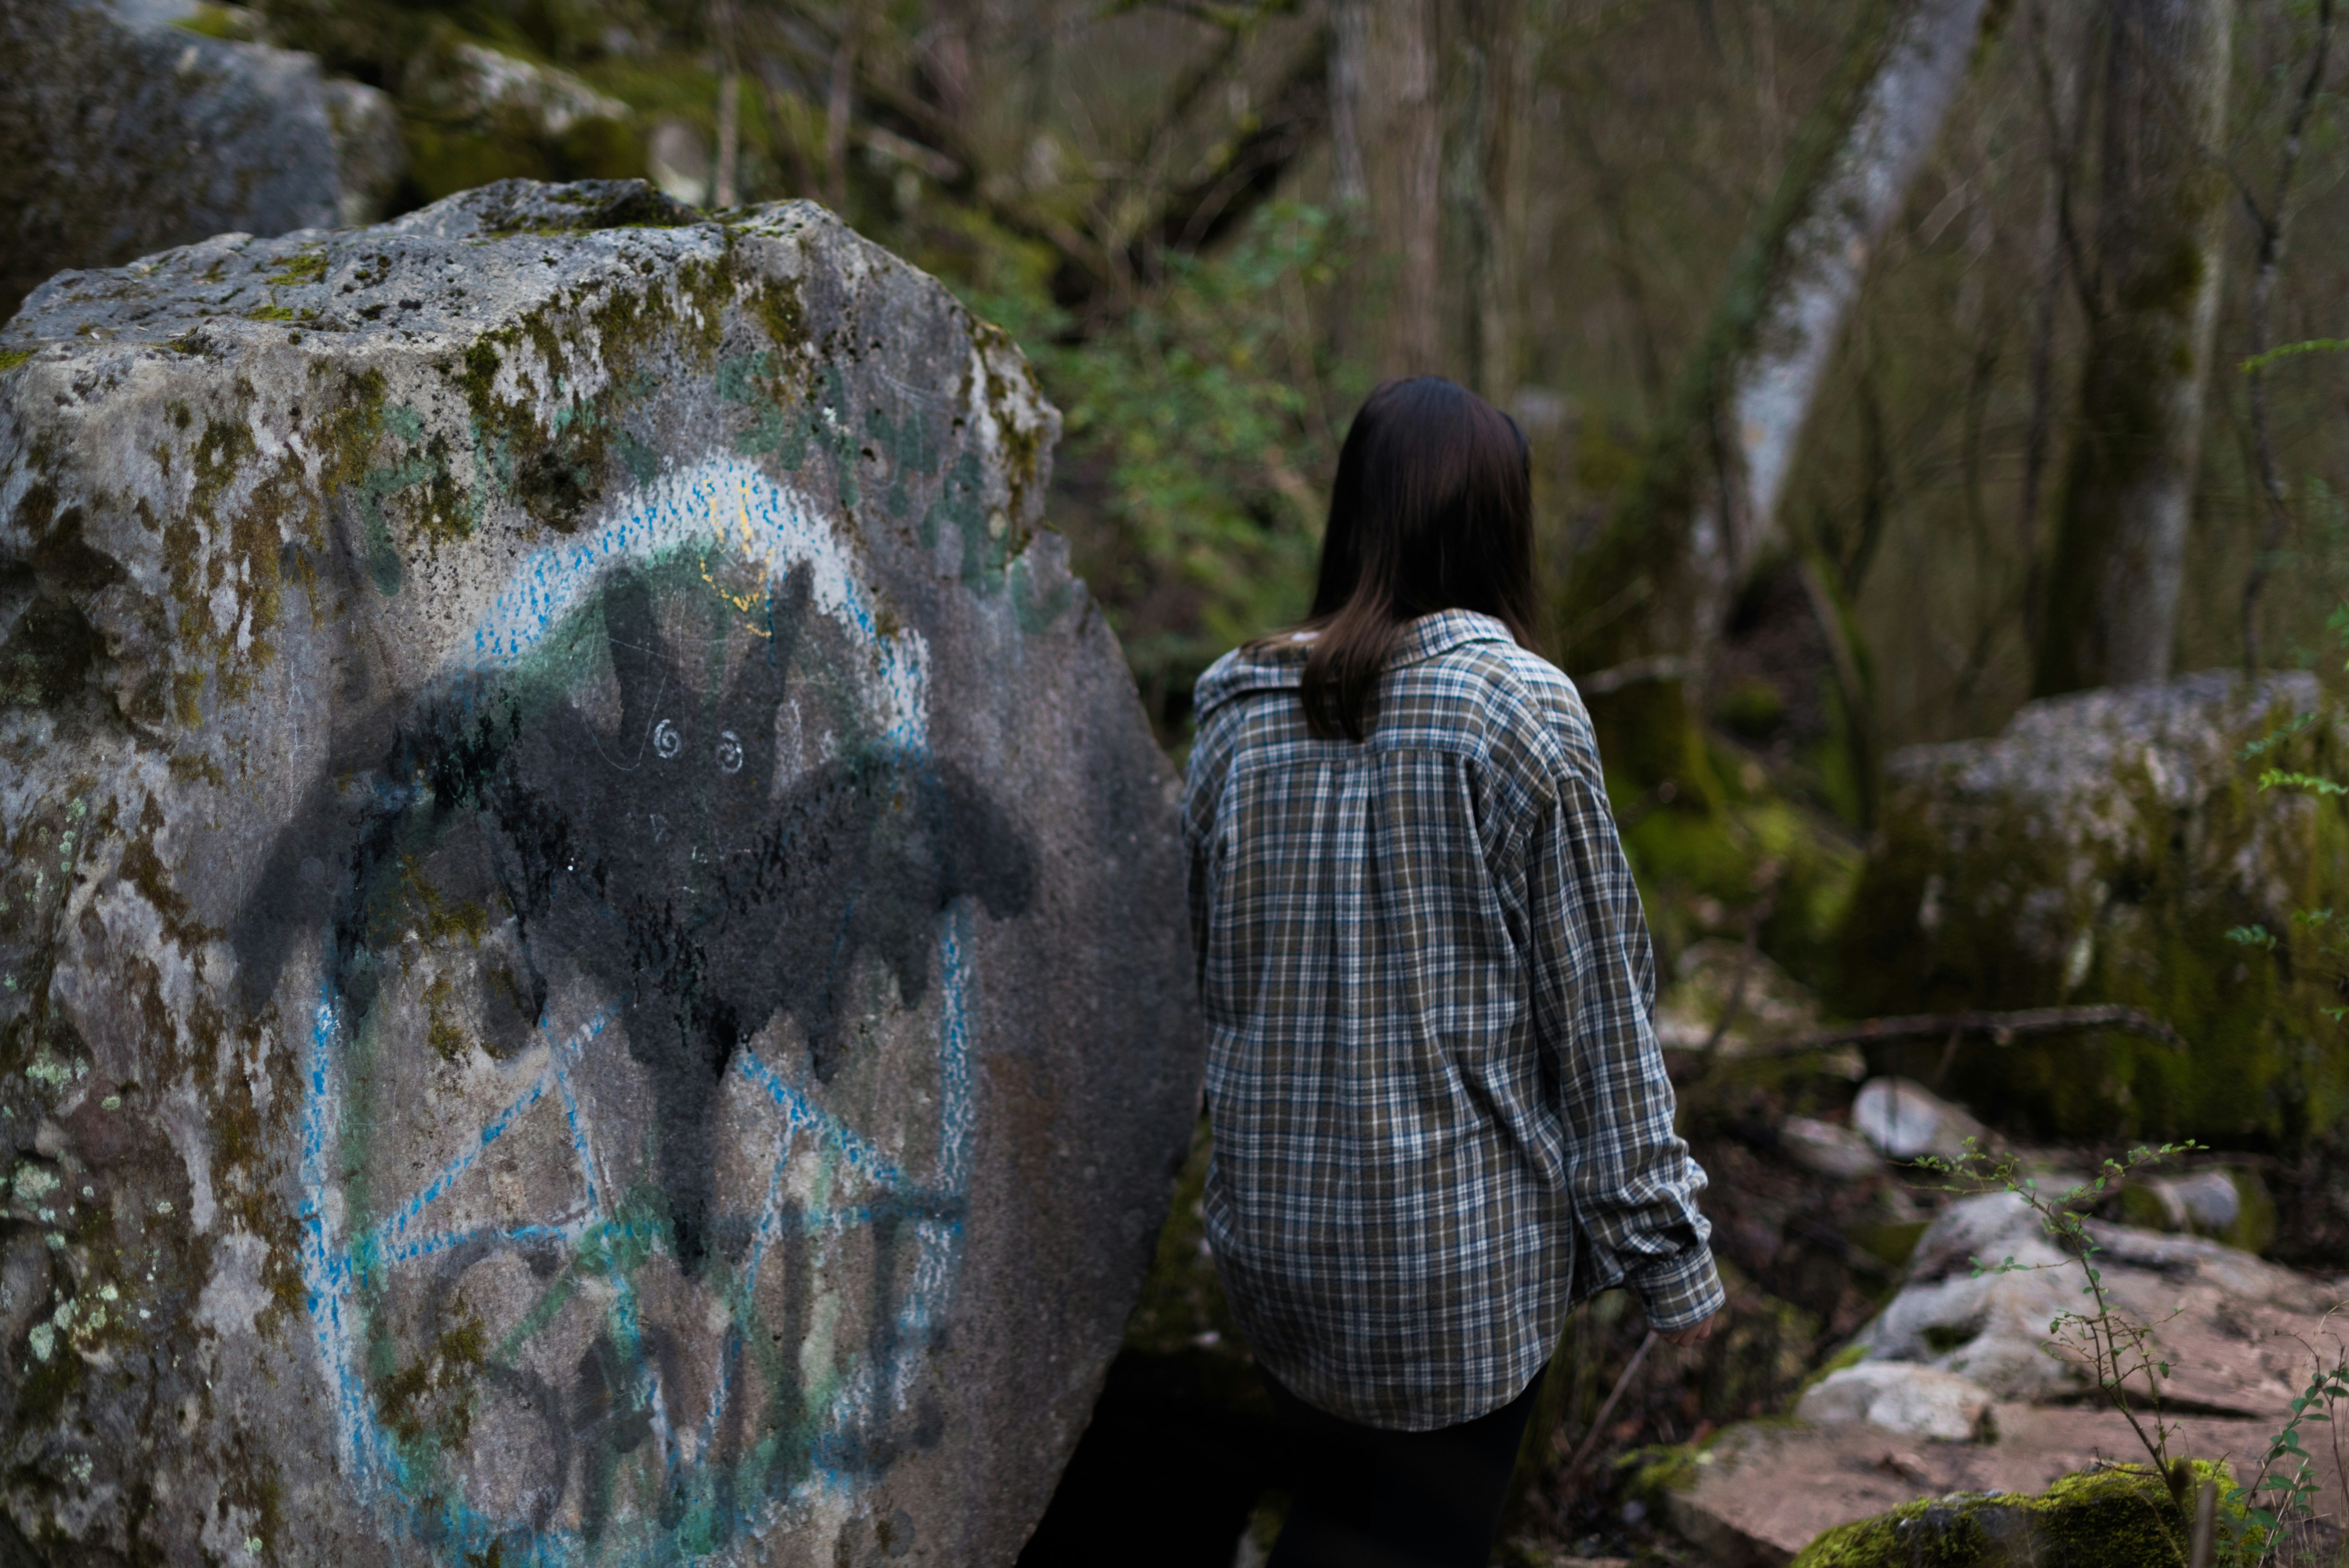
(2003,1029)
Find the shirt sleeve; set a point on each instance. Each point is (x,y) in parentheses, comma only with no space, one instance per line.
(1201,781)
(1634,1184)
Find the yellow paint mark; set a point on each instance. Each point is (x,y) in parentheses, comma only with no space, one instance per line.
(750,539)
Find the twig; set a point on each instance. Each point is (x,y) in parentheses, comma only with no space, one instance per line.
(1745,956)
(1599,1422)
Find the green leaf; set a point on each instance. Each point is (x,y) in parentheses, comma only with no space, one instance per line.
(2258,362)
(2280,779)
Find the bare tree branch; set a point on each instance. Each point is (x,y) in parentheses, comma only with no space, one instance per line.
(2002,1028)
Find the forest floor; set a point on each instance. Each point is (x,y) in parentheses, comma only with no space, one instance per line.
(1809,1259)
(1180,1468)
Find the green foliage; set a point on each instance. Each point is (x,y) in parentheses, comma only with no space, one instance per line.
(2261,1517)
(1648,1475)
(1197,423)
(2278,779)
(2314,345)
(2120,1356)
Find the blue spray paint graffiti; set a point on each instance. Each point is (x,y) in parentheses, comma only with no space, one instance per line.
(633,1186)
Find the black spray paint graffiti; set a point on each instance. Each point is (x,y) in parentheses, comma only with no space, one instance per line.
(705,828)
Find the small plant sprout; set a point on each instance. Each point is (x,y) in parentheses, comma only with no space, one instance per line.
(2275,1512)
(2122,1357)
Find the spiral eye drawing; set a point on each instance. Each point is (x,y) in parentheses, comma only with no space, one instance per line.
(635,1162)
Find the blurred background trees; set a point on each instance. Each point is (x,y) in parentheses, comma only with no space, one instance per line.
(1883,360)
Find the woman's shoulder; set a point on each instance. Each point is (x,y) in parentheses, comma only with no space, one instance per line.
(1271,664)
(1523,710)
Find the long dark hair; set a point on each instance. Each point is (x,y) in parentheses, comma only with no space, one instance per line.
(1433,511)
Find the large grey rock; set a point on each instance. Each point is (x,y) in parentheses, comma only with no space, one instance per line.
(2232,1327)
(2102,849)
(1906,1120)
(1900,1398)
(592,964)
(120,134)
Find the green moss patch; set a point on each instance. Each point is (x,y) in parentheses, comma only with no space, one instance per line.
(2123,1517)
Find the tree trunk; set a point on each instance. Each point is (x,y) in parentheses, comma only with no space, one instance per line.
(949,61)
(1650,599)
(2153,295)
(1824,255)
(1388,121)
(1497,65)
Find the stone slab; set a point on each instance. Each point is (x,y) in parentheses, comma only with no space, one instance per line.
(592,955)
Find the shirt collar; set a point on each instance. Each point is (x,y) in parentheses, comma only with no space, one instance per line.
(1280,665)
(1444,631)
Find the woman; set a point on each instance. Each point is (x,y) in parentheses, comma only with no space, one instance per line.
(1440,1115)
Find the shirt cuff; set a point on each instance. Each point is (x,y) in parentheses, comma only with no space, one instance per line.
(1681,1291)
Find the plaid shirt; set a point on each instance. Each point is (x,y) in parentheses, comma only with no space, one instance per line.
(1431,1074)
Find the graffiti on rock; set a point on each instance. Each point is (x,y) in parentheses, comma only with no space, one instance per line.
(638,1106)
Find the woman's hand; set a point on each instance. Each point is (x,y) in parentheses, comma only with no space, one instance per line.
(1696,1334)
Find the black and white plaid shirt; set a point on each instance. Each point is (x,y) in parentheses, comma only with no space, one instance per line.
(1440,1114)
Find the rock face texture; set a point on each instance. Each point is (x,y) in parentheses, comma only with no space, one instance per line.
(592,964)
(2102,849)
(2231,1325)
(121,135)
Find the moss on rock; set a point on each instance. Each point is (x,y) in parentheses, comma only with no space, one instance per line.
(2123,1517)
(2102,851)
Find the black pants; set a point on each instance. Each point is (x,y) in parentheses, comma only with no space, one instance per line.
(1367,1497)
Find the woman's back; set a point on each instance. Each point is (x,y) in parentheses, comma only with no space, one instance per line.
(1439,1112)
(1427,984)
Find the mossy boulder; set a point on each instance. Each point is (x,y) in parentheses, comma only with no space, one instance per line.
(120,135)
(592,955)
(2227,1205)
(1710,854)
(2115,847)
(2119,1517)
(475,114)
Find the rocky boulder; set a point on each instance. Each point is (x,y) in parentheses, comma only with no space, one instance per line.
(591,955)
(120,134)
(1900,1398)
(1906,1121)
(2102,849)
(476,115)
(2233,1327)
